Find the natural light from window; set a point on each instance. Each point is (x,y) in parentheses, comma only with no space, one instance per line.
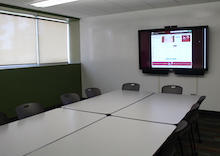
(25,40)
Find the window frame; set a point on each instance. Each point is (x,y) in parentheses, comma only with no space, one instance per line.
(41,16)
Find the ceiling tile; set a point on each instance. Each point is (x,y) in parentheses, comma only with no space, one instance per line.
(188,2)
(88,8)
(106,6)
(132,5)
(162,3)
(83,8)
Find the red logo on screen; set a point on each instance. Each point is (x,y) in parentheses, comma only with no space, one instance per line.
(186,38)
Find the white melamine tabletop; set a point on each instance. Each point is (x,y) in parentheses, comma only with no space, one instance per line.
(109,102)
(23,136)
(160,107)
(111,136)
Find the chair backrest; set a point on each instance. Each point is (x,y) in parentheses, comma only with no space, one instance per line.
(169,147)
(193,114)
(29,109)
(68,98)
(201,99)
(131,86)
(3,118)
(174,89)
(91,92)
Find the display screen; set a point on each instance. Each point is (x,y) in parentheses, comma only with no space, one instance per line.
(176,48)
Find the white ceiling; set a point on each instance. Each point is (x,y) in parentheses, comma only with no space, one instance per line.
(88,8)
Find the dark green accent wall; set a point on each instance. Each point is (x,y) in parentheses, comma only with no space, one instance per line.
(37,84)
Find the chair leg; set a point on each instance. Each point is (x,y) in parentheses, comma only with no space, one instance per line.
(181,146)
(193,141)
(197,128)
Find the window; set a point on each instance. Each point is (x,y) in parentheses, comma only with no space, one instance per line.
(52,43)
(29,40)
(17,40)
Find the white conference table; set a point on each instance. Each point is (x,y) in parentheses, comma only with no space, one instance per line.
(160,107)
(23,136)
(109,102)
(111,136)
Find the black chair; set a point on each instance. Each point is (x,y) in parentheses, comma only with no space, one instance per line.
(169,146)
(29,109)
(3,118)
(92,92)
(131,86)
(184,133)
(69,98)
(201,99)
(174,89)
(193,115)
(192,118)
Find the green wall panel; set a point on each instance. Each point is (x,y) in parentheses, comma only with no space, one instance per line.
(38,84)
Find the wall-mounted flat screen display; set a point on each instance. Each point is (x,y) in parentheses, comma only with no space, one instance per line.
(179,49)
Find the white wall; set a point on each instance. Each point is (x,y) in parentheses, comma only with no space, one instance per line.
(109,50)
